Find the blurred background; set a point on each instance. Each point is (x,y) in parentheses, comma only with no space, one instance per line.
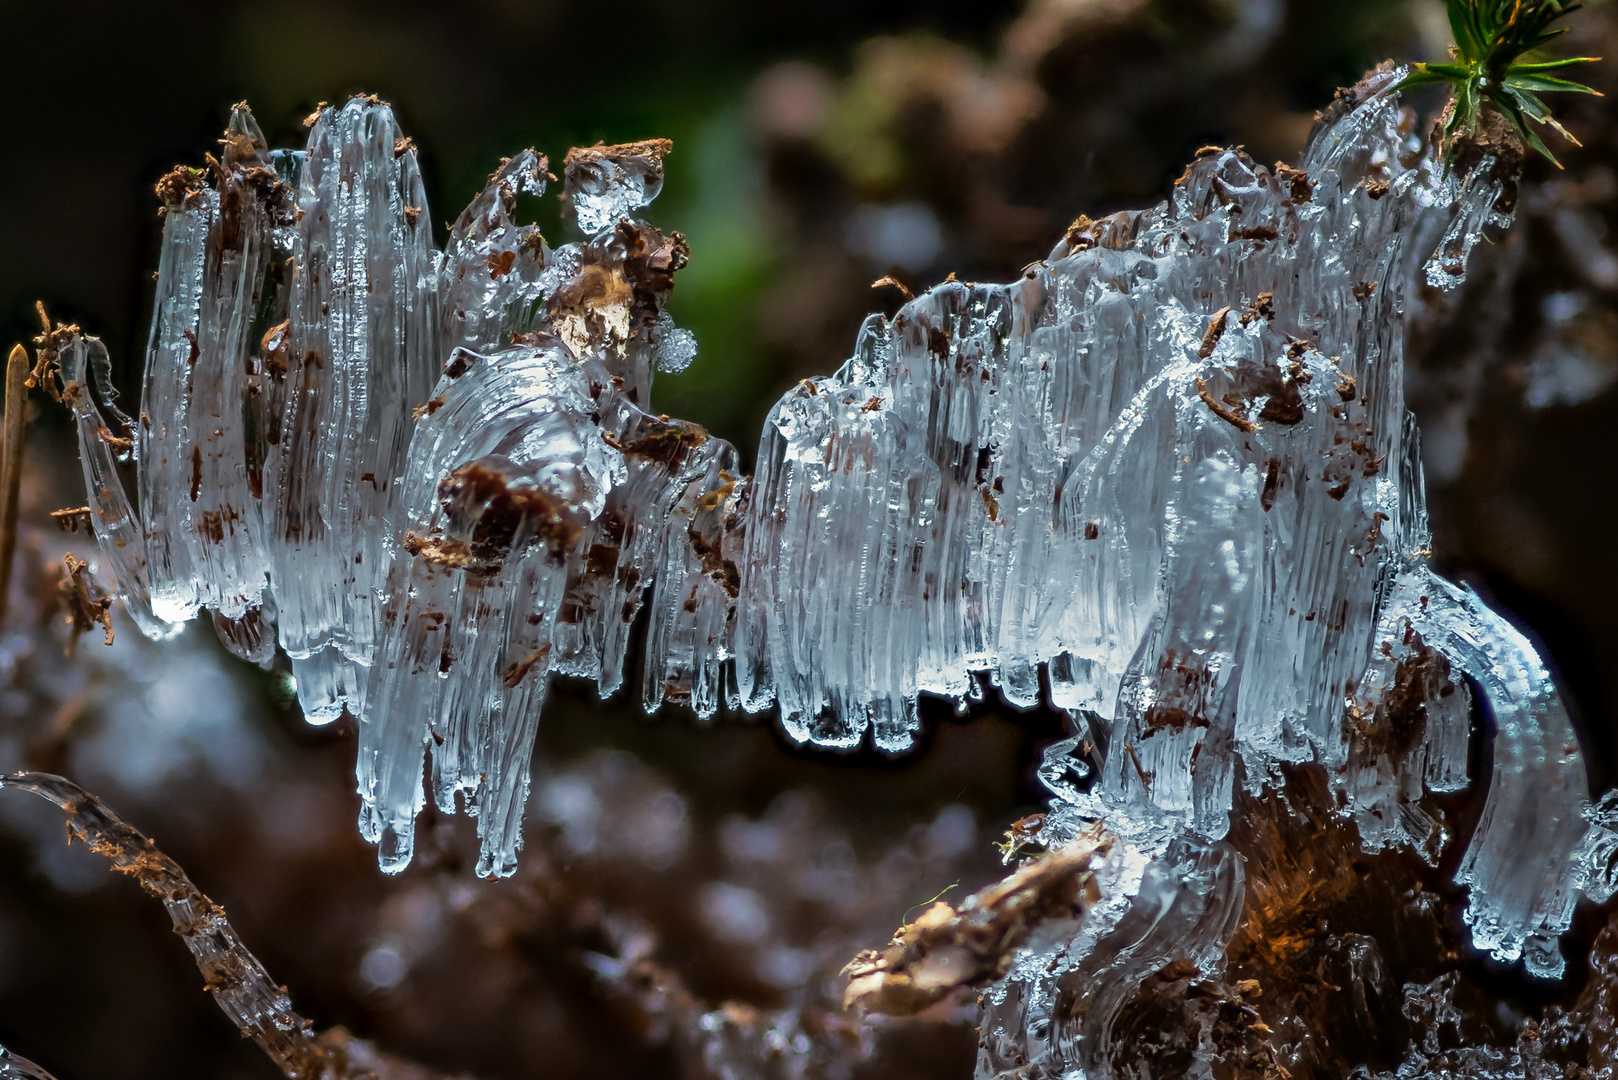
(675,873)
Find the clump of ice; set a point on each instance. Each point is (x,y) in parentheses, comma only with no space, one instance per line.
(605,184)
(1166,478)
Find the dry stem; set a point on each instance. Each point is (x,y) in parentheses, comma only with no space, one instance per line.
(945,949)
(11,464)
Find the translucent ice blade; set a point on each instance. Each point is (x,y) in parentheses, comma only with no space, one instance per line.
(118,531)
(327,682)
(502,481)
(221,516)
(1479,193)
(250,636)
(694,594)
(359,355)
(1168,472)
(489,275)
(1520,863)
(164,461)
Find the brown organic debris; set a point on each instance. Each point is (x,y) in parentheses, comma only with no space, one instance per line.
(1215,331)
(72,519)
(1396,725)
(945,949)
(1080,234)
(46,357)
(1302,188)
(888,281)
(1494,137)
(1283,401)
(494,514)
(181,186)
(1021,837)
(1272,484)
(1262,307)
(619,290)
(436,549)
(87,604)
(650,149)
(1223,411)
(1316,908)
(519,671)
(1256,232)
(664,441)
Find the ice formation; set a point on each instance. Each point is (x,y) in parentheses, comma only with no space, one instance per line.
(1166,480)
(14,1067)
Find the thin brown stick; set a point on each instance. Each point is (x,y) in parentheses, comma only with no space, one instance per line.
(944,949)
(11,464)
(238,982)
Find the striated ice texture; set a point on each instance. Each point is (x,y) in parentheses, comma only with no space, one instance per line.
(1165,481)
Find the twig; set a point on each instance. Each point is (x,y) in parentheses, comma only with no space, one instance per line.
(11,464)
(238,982)
(86,603)
(1235,420)
(240,986)
(946,949)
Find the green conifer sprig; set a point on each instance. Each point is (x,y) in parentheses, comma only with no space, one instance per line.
(1485,68)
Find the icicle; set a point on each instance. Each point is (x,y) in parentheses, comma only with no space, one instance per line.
(1520,863)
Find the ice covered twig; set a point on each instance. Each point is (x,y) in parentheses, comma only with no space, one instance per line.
(232,974)
(945,949)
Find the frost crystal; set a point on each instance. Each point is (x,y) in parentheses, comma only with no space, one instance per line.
(1166,479)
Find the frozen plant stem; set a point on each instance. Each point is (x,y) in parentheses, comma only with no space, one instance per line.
(233,975)
(945,949)
(11,464)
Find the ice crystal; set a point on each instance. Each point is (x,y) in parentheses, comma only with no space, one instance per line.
(1166,481)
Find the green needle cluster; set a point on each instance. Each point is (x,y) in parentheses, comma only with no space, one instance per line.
(1486,68)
